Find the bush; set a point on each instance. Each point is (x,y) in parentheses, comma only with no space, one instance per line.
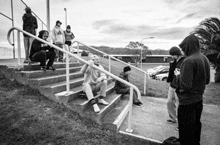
(84,53)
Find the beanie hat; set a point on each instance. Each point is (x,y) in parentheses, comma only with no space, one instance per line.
(27,10)
(175,51)
(68,27)
(127,68)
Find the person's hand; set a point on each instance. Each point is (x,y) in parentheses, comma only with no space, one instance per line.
(177,72)
(91,62)
(100,79)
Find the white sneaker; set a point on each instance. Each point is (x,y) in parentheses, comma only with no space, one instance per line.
(96,108)
(102,101)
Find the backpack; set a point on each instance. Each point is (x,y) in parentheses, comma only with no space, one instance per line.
(171,141)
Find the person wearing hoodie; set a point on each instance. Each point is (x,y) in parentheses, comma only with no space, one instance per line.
(30,26)
(192,79)
(41,52)
(94,81)
(58,38)
(123,89)
(172,100)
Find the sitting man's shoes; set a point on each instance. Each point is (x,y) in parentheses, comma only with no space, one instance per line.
(102,101)
(137,104)
(171,121)
(43,68)
(26,61)
(96,108)
(50,68)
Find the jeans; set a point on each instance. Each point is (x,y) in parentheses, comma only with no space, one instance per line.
(189,123)
(126,91)
(90,88)
(172,104)
(42,56)
(59,54)
(27,46)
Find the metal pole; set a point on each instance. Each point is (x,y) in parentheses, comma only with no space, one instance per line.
(78,51)
(48,15)
(129,129)
(67,74)
(19,48)
(65,16)
(141,56)
(13,35)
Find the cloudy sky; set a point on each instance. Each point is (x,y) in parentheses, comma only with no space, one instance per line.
(115,23)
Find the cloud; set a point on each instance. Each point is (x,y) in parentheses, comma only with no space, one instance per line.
(102,23)
(190,15)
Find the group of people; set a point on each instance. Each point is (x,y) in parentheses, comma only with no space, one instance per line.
(189,73)
(38,51)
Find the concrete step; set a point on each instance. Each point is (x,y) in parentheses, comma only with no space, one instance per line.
(51,89)
(36,66)
(74,93)
(115,117)
(84,107)
(40,73)
(46,80)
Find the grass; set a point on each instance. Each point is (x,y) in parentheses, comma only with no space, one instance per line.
(28,118)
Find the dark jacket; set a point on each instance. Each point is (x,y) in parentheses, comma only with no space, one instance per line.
(29,23)
(171,77)
(119,85)
(37,45)
(194,72)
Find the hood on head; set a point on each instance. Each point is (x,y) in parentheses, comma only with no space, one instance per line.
(41,33)
(190,45)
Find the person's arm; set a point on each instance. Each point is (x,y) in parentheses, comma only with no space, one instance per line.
(53,35)
(102,75)
(87,68)
(36,45)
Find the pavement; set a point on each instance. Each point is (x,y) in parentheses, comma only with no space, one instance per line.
(149,121)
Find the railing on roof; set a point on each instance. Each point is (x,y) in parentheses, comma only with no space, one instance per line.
(132,87)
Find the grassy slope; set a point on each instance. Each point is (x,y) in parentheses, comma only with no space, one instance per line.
(28,118)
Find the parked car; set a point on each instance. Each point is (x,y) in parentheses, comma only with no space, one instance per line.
(157,70)
(162,77)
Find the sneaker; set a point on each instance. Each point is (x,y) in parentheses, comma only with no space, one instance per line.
(137,104)
(102,101)
(50,68)
(26,61)
(171,121)
(177,128)
(43,68)
(96,108)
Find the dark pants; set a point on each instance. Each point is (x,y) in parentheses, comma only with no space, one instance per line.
(42,57)
(189,123)
(126,92)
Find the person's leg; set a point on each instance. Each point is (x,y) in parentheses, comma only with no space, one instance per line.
(199,108)
(187,125)
(60,56)
(102,87)
(40,57)
(26,47)
(31,39)
(87,88)
(171,106)
(51,56)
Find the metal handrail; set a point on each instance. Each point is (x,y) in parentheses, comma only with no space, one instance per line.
(145,73)
(132,87)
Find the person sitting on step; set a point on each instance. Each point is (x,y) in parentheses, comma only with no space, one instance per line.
(124,89)
(94,81)
(41,52)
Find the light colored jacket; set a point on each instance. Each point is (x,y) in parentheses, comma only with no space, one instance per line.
(58,36)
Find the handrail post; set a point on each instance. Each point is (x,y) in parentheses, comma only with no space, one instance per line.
(129,129)
(109,63)
(19,48)
(78,51)
(145,82)
(67,74)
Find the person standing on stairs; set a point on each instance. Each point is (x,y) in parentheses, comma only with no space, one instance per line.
(58,38)
(123,89)
(94,81)
(40,52)
(69,36)
(30,26)
(172,99)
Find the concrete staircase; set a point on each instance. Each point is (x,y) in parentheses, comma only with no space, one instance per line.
(52,84)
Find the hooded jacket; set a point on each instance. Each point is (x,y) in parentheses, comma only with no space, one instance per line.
(194,72)
(37,45)
(119,85)
(58,36)
(29,23)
